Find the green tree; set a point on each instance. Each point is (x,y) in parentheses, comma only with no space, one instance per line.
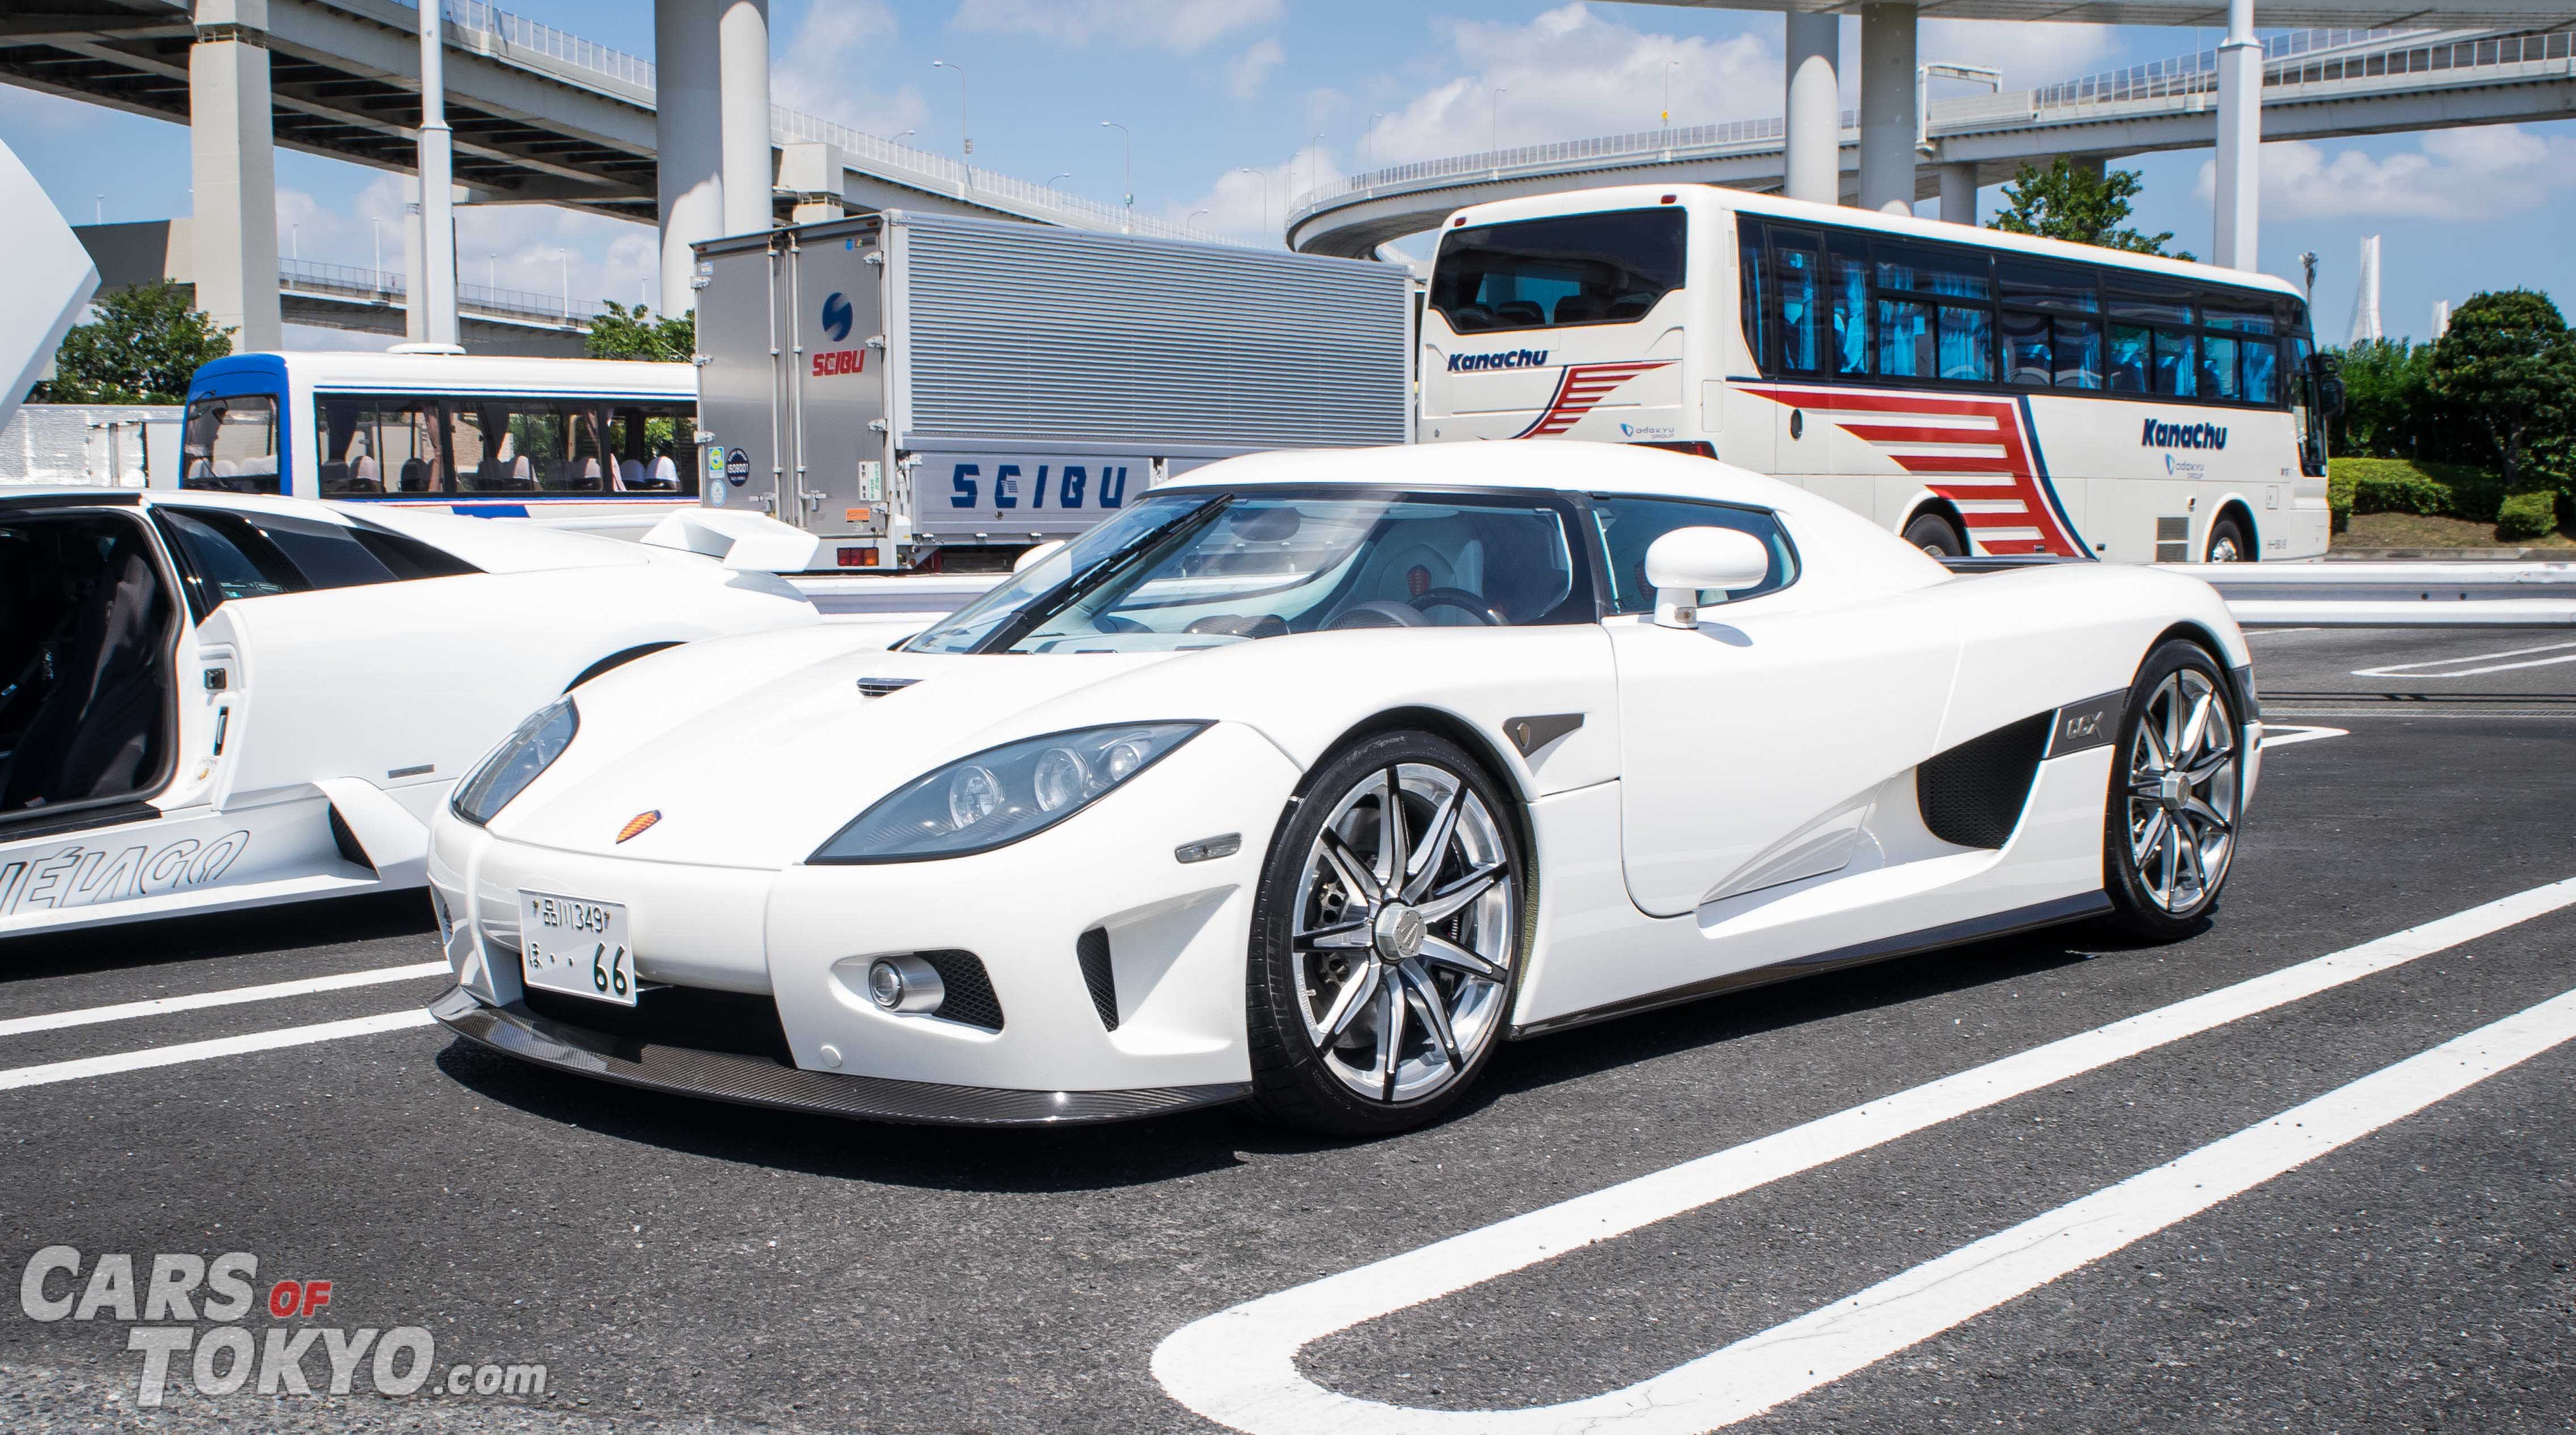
(623,333)
(2069,201)
(2508,365)
(141,346)
(2389,407)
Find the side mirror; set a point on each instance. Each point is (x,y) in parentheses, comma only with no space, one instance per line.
(1036,555)
(2327,371)
(1687,561)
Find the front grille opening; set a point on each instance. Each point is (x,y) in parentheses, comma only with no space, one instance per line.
(969,1000)
(697,1018)
(1091,951)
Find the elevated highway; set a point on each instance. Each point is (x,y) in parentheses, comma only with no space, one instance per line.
(2317,84)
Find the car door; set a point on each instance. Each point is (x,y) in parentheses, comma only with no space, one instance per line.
(1752,745)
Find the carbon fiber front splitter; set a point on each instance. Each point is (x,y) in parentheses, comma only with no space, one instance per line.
(515,1031)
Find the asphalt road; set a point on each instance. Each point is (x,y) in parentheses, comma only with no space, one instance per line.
(682,1266)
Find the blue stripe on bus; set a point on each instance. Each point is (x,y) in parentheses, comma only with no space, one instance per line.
(490,510)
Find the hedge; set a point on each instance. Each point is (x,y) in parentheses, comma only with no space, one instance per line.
(2441,490)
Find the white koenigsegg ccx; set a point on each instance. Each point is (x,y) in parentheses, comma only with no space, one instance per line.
(211,702)
(1311,777)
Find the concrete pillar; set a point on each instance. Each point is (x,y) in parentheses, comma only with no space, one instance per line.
(435,299)
(1887,116)
(415,316)
(232,160)
(2240,138)
(1813,167)
(1959,193)
(742,49)
(688,121)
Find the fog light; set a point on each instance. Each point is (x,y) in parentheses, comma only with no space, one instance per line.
(906,984)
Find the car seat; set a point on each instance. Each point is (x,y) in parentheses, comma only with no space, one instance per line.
(99,732)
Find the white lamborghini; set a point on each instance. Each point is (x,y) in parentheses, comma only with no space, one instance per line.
(211,702)
(1312,777)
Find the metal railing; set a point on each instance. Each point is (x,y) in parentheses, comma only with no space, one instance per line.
(2290,60)
(508,37)
(384,287)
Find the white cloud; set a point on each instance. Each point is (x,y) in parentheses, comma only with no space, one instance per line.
(1569,74)
(815,70)
(1252,204)
(1245,73)
(1180,26)
(2029,53)
(2462,174)
(534,248)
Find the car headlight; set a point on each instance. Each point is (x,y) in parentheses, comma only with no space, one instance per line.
(530,749)
(1000,795)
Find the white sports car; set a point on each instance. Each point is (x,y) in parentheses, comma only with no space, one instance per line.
(210,701)
(1311,777)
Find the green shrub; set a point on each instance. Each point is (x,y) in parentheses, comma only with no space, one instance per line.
(2396,485)
(2527,515)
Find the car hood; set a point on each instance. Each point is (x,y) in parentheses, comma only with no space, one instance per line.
(752,766)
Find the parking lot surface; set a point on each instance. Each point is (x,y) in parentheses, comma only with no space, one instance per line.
(677,1265)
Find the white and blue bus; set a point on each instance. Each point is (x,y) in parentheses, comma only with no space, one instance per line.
(1981,393)
(602,445)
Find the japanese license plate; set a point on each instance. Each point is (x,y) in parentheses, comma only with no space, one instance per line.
(576,946)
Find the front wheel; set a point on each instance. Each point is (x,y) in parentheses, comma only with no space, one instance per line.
(1386,939)
(2177,789)
(2228,543)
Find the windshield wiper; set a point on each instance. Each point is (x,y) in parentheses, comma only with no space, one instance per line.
(1144,546)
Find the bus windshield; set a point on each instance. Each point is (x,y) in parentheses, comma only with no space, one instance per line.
(1539,273)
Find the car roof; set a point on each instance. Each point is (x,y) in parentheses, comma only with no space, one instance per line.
(493,545)
(1556,465)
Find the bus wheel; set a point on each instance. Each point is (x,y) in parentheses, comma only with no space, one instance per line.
(1936,535)
(2228,543)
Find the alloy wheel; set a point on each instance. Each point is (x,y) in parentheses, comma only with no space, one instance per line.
(1405,933)
(2182,791)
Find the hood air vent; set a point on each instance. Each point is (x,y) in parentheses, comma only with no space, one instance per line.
(879,687)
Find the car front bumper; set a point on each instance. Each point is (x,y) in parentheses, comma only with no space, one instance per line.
(1165,1033)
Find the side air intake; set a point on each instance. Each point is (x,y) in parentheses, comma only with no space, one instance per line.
(1972,795)
(970,999)
(1091,951)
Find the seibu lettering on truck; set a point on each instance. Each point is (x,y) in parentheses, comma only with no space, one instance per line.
(1068,487)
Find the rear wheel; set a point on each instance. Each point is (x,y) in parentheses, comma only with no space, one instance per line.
(2228,542)
(1937,536)
(2177,786)
(1386,939)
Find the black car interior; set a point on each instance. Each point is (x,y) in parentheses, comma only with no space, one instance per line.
(87,631)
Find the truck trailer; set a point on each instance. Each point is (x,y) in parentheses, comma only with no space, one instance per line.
(926,391)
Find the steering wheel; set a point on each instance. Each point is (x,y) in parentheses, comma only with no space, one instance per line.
(1466,602)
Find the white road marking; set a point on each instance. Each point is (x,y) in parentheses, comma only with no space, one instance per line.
(2285,736)
(2415,670)
(182,1052)
(272,991)
(1239,1366)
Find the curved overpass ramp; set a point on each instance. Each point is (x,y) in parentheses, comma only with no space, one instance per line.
(2317,84)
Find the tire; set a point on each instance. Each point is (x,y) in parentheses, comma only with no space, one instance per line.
(1937,536)
(1324,984)
(2167,846)
(2229,542)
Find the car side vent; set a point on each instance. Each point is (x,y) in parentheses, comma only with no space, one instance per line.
(1972,795)
(1091,950)
(970,1000)
(351,850)
(879,687)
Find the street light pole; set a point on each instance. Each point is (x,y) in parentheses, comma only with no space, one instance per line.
(1315,167)
(1265,193)
(1051,179)
(965,136)
(1367,149)
(1494,121)
(1668,92)
(1130,222)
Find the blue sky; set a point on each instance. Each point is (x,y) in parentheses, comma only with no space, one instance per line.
(1302,89)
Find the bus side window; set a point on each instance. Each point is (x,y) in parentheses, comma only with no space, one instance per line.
(1848,261)
(2129,359)
(1756,304)
(2177,367)
(1802,330)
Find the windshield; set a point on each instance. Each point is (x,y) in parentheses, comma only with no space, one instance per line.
(1194,570)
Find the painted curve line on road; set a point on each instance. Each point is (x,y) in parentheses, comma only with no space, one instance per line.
(1239,1366)
(2414,670)
(233,996)
(179,1053)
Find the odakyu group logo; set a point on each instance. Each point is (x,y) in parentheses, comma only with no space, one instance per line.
(837,316)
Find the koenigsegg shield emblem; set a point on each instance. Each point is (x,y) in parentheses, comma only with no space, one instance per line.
(636,824)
